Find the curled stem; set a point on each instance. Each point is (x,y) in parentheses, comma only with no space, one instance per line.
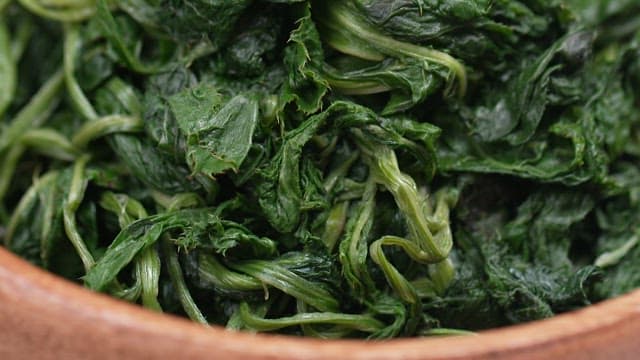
(348,33)
(384,167)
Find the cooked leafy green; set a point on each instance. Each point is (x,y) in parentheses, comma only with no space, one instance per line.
(353,168)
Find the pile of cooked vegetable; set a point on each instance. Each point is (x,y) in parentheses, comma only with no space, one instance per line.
(330,168)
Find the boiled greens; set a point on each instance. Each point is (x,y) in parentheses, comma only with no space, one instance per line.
(327,168)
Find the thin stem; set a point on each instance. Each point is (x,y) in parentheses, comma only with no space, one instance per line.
(77,12)
(72,44)
(334,225)
(341,18)
(268,272)
(189,306)
(212,271)
(398,282)
(71,205)
(359,322)
(104,126)
(614,256)
(340,171)
(26,200)
(21,36)
(7,68)
(384,166)
(147,267)
(179,284)
(35,112)
(50,143)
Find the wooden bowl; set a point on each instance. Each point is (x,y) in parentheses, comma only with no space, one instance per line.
(46,317)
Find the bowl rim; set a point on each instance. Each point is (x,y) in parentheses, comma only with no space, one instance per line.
(614,324)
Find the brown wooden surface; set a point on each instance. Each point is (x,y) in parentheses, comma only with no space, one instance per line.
(44,317)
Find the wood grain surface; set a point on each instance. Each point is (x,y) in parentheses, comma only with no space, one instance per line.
(45,317)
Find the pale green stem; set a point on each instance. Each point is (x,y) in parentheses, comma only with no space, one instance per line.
(359,322)
(177,279)
(50,143)
(21,36)
(25,202)
(34,113)
(212,271)
(76,194)
(72,44)
(7,68)
(103,126)
(342,20)
(613,257)
(147,267)
(60,11)
(335,224)
(190,307)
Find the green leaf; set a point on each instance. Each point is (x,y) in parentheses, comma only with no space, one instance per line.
(219,134)
(303,58)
